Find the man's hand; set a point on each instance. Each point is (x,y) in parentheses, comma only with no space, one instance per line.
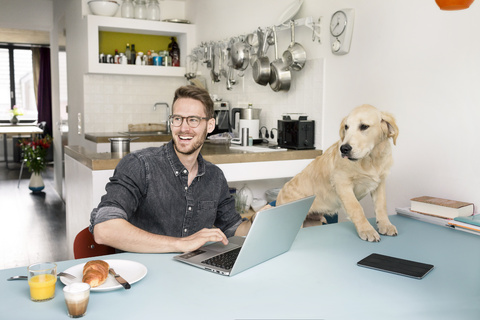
(198,239)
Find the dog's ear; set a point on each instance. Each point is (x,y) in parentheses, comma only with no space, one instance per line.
(390,126)
(342,129)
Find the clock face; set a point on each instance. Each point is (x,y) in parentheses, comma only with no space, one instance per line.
(338,23)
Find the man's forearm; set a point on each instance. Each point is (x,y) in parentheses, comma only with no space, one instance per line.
(121,234)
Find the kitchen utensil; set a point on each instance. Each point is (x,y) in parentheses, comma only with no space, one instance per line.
(192,65)
(103,7)
(61,274)
(261,66)
(280,76)
(239,55)
(120,146)
(119,279)
(295,55)
(215,71)
(291,10)
(255,45)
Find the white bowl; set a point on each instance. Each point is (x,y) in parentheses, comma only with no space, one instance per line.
(106,8)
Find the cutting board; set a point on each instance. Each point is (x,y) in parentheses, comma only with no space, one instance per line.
(146,127)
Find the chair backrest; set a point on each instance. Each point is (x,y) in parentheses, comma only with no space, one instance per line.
(84,246)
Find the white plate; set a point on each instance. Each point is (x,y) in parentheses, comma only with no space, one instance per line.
(290,12)
(131,271)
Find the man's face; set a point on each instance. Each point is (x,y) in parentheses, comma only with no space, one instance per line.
(186,139)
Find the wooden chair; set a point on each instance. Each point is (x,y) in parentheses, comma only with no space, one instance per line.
(84,246)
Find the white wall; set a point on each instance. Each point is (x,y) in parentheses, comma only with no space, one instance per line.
(26,14)
(408,58)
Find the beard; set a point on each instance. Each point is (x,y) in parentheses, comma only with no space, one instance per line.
(198,141)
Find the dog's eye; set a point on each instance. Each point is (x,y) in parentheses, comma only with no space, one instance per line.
(364,127)
(346,127)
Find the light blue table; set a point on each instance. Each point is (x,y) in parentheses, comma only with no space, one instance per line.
(317,279)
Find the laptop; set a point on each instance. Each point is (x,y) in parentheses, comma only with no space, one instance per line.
(272,233)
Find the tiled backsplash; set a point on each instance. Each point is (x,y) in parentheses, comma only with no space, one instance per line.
(112,101)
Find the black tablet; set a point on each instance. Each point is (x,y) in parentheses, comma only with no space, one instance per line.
(399,266)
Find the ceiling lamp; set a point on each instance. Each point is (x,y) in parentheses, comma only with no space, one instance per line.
(454,4)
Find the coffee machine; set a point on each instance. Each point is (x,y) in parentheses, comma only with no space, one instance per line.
(222,117)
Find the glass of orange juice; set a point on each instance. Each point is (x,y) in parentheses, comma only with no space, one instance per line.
(42,278)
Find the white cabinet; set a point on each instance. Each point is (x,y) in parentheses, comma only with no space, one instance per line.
(185,34)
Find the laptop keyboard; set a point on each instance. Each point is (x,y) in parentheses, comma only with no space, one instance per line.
(224,260)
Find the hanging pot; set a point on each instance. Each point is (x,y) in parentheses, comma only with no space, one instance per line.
(295,55)
(280,75)
(261,66)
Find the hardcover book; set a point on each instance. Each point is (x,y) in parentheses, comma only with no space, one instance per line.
(441,207)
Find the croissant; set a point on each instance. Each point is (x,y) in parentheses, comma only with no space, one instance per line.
(95,272)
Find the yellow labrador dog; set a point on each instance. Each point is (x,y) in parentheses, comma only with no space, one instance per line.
(356,165)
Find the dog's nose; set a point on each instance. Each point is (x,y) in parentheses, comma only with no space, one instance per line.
(345,149)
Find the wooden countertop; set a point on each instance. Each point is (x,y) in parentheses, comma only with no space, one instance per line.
(103,137)
(214,153)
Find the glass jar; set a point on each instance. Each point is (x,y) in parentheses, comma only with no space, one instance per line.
(167,59)
(140,9)
(153,10)
(244,199)
(128,9)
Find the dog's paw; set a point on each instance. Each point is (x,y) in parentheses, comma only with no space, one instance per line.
(369,234)
(387,229)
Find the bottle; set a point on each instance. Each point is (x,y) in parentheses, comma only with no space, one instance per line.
(127,9)
(128,54)
(140,10)
(153,10)
(116,57)
(133,54)
(138,59)
(166,59)
(174,52)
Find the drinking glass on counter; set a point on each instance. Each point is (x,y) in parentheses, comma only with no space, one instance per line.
(42,278)
(76,297)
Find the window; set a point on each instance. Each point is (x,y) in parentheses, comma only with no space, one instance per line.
(16,83)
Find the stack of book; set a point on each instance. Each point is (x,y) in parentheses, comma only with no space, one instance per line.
(444,212)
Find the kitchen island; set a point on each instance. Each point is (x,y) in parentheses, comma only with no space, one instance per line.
(87,172)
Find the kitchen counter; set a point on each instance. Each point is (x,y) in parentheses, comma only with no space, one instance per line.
(214,153)
(103,137)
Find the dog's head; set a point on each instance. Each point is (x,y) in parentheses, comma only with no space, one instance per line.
(363,129)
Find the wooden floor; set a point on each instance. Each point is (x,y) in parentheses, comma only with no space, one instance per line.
(33,225)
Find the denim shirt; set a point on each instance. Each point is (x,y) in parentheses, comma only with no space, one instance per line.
(149,188)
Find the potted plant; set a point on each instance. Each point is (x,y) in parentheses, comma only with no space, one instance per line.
(15,112)
(34,156)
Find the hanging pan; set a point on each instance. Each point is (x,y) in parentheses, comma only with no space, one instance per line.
(280,75)
(295,55)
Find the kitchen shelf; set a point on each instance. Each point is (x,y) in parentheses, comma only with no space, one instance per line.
(185,34)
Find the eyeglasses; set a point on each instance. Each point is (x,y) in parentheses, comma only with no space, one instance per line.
(193,121)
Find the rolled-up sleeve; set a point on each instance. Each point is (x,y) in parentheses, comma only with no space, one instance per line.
(103,214)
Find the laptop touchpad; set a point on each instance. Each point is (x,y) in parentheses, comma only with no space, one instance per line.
(220,247)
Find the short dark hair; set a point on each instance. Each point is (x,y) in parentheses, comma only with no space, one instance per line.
(198,94)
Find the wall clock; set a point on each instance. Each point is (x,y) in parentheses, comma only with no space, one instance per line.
(341,28)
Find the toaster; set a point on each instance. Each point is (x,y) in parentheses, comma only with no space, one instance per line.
(296,134)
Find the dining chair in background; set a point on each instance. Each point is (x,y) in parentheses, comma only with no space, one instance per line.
(84,246)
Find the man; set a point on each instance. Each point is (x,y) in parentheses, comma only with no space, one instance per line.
(168,199)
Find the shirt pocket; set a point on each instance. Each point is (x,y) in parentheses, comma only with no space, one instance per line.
(205,217)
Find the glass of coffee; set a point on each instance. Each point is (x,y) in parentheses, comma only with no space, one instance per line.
(76,298)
